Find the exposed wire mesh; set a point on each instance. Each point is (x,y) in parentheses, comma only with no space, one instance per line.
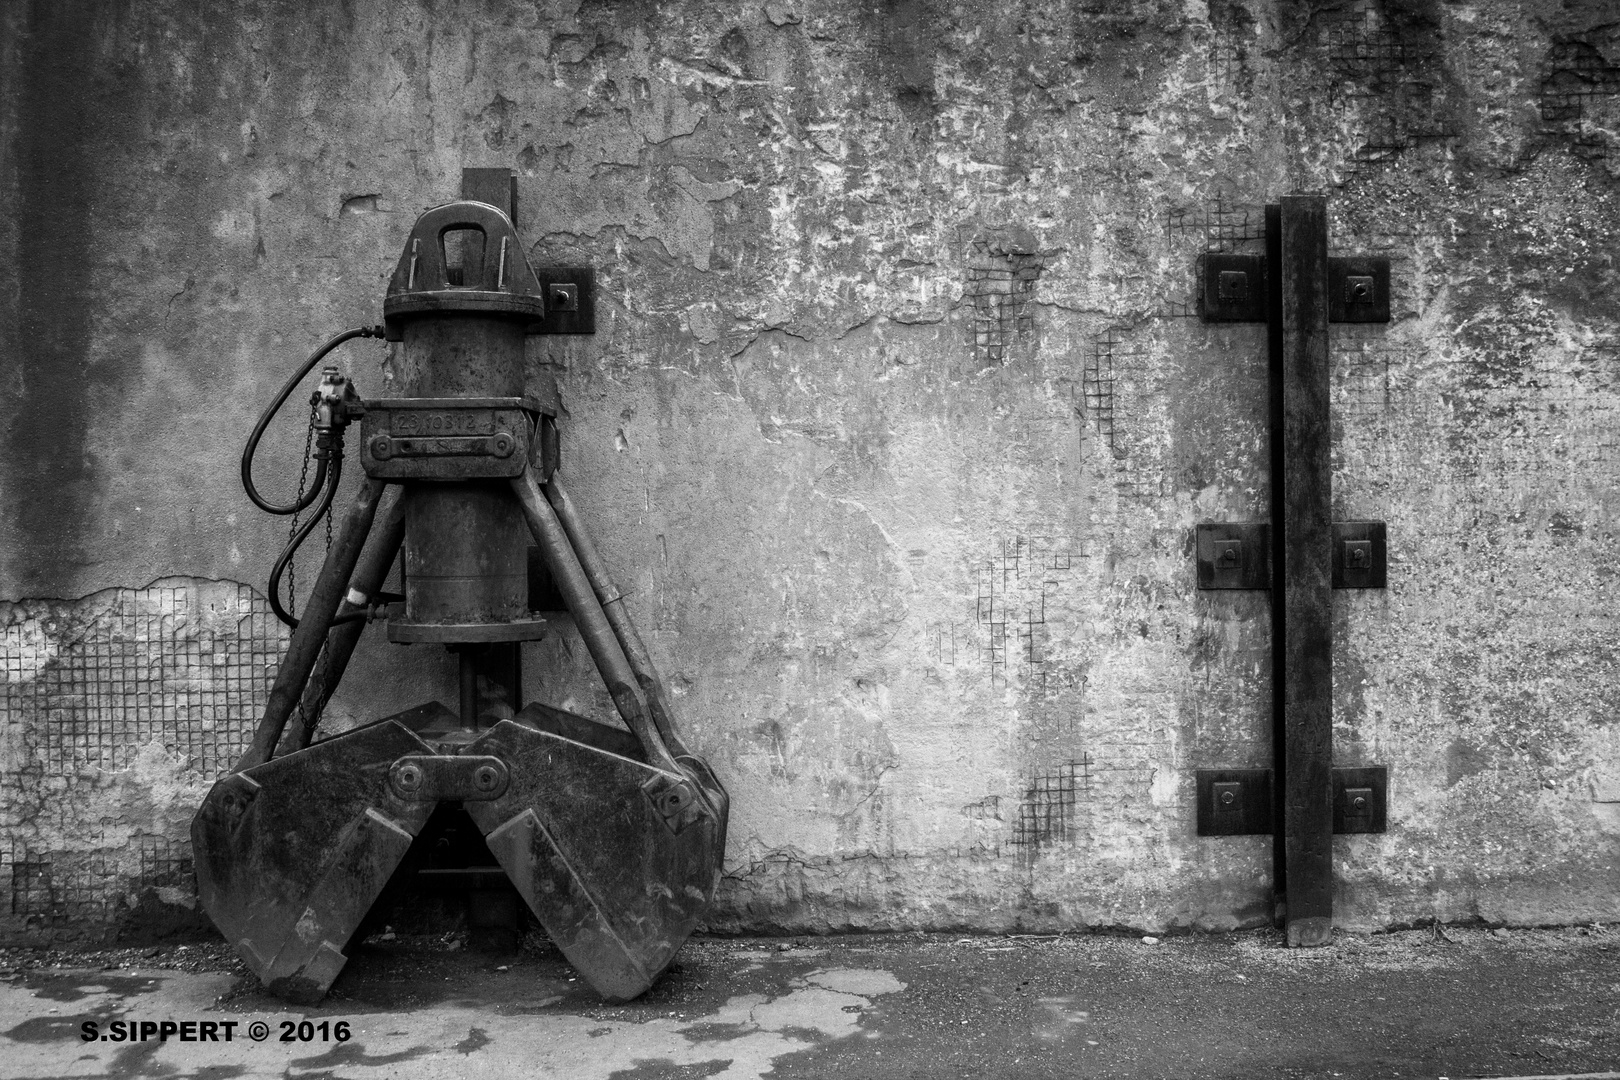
(1218,225)
(1361,376)
(1097,385)
(1000,285)
(182,669)
(1392,74)
(1580,94)
(1015,590)
(1047,813)
(60,890)
(1558,420)
(189,667)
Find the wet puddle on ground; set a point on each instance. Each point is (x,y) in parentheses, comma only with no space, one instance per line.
(739,1040)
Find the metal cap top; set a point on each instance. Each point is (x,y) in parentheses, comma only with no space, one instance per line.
(488,274)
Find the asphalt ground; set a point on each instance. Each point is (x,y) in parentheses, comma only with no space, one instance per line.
(1440,1002)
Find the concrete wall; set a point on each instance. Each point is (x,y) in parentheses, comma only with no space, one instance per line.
(896,426)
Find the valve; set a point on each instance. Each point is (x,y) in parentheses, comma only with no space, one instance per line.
(335,403)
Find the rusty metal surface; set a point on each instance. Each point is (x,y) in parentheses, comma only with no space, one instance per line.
(1360,555)
(402,632)
(1361,799)
(1305,554)
(1239,802)
(291,854)
(1234,555)
(1232,288)
(1358,289)
(466,554)
(613,843)
(581,729)
(615,888)
(612,602)
(446,438)
(1234,802)
(497,187)
(500,282)
(462,356)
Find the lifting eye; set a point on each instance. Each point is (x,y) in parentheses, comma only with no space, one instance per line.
(463,248)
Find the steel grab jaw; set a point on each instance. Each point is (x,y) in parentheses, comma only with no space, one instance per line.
(617,859)
(617,879)
(291,854)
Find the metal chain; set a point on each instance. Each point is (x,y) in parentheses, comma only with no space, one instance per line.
(303,478)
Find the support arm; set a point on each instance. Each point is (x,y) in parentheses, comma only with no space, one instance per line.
(330,587)
(369,574)
(564,564)
(635,651)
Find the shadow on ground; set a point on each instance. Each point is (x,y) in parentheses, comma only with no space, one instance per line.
(1453,1003)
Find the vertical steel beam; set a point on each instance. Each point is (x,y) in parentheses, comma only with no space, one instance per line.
(1279,619)
(497,187)
(1305,547)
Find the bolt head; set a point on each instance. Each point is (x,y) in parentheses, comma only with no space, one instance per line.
(1359,802)
(1228,798)
(486,778)
(409,777)
(1233,285)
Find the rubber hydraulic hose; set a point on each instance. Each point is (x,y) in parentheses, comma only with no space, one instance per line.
(274,407)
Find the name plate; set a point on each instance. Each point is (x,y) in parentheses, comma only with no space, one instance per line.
(445,438)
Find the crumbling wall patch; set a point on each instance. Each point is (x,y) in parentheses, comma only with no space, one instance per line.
(116,710)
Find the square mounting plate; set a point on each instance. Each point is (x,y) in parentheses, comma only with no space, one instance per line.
(1360,555)
(570,293)
(1234,802)
(1358,289)
(1231,288)
(1234,555)
(1238,802)
(1361,800)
